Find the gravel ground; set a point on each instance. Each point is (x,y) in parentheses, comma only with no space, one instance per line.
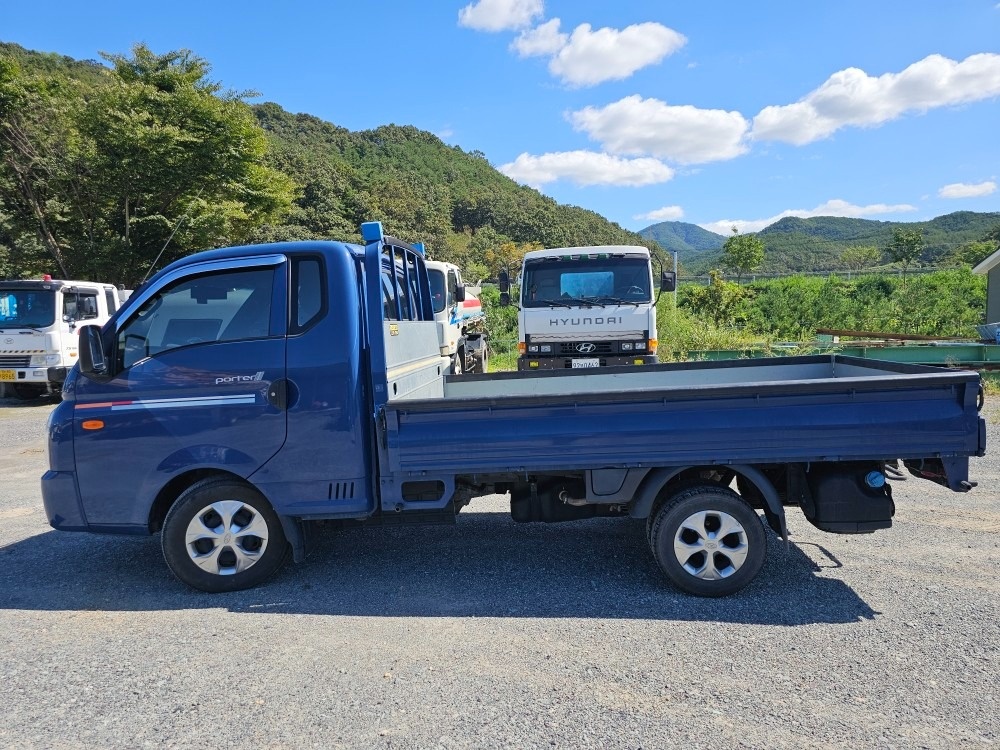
(490,634)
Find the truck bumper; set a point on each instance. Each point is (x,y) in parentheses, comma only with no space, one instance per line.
(61,500)
(525,364)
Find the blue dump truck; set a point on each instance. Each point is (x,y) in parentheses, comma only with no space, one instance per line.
(243,393)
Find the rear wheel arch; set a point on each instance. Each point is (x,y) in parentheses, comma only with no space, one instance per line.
(661,483)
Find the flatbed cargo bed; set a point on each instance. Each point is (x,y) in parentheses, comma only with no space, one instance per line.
(795,409)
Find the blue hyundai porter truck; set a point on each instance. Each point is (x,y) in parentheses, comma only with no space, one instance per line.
(243,393)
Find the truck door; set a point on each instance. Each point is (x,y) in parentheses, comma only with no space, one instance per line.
(198,363)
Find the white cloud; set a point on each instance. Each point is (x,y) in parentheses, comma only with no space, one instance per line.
(541,41)
(500,15)
(591,57)
(965,190)
(852,97)
(834,207)
(586,168)
(667,213)
(683,134)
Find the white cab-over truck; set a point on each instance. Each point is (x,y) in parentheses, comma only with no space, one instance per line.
(586,307)
(38,330)
(459,315)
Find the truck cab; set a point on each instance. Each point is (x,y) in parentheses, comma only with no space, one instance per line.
(38,330)
(459,315)
(586,307)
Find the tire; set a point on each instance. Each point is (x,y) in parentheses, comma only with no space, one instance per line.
(28,392)
(480,357)
(457,361)
(708,541)
(222,535)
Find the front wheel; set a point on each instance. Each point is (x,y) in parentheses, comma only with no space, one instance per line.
(708,541)
(222,535)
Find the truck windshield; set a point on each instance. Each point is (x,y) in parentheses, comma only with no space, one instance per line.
(27,308)
(610,280)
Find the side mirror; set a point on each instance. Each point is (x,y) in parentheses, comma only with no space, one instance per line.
(668,281)
(460,293)
(93,362)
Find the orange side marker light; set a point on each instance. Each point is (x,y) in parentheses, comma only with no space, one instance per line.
(93,424)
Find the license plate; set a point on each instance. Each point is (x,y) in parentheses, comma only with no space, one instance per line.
(8,375)
(590,362)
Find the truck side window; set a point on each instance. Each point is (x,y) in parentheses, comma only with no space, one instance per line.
(308,293)
(80,305)
(452,283)
(226,306)
(109,298)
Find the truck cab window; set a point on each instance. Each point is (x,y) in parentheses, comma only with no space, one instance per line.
(80,305)
(308,293)
(213,307)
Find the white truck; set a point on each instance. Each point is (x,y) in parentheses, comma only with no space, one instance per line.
(460,318)
(38,330)
(586,307)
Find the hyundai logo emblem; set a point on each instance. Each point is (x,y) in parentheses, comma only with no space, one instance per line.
(586,348)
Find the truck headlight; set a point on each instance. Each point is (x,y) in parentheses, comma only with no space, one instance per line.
(547,348)
(533,348)
(41,360)
(640,346)
(627,346)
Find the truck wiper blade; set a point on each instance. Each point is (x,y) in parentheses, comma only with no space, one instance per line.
(570,301)
(617,301)
(553,302)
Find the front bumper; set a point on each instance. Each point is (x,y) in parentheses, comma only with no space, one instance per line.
(527,364)
(61,500)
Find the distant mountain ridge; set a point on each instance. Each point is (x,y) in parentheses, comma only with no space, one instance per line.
(815,244)
(683,237)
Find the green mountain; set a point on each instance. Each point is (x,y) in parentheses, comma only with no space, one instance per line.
(687,239)
(816,244)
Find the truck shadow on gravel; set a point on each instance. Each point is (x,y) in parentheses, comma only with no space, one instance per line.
(486,566)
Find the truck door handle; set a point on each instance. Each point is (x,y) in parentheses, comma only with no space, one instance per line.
(281,394)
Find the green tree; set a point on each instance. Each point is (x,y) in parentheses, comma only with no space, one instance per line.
(905,247)
(860,257)
(719,301)
(742,254)
(105,176)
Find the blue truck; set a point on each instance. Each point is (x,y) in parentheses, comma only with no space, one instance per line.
(243,393)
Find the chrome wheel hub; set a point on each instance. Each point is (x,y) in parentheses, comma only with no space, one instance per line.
(711,545)
(226,537)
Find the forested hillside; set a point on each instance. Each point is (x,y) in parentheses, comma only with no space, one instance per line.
(422,189)
(107,169)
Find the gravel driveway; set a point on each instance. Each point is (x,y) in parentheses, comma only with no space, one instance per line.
(490,634)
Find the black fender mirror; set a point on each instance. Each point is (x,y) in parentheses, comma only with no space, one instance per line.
(93,360)
(503,280)
(460,293)
(668,281)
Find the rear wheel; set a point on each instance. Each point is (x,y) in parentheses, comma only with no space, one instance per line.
(480,358)
(222,535)
(708,541)
(457,361)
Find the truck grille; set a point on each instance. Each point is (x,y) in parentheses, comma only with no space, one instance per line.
(14,360)
(569,348)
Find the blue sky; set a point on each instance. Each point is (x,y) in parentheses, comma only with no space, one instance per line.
(717,113)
